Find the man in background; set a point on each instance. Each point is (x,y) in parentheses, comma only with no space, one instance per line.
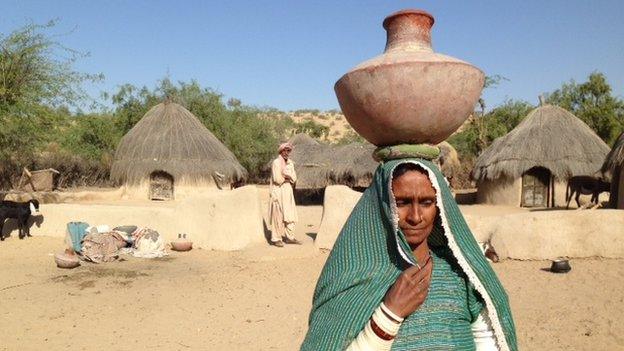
(282,208)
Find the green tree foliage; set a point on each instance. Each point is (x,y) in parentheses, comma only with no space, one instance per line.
(93,137)
(481,130)
(592,102)
(37,83)
(34,70)
(131,104)
(312,128)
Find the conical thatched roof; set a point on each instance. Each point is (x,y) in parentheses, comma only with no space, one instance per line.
(548,137)
(319,165)
(615,158)
(171,139)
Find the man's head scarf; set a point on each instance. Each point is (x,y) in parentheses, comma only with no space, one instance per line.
(284,146)
(371,252)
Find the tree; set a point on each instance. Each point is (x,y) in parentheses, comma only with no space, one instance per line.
(38,84)
(131,104)
(482,128)
(593,103)
(34,69)
(481,131)
(92,136)
(312,128)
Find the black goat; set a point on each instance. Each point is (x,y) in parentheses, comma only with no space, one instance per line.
(21,211)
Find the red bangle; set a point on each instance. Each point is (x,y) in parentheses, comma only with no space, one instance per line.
(380,332)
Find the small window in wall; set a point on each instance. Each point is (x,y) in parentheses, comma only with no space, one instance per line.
(161,186)
(536,187)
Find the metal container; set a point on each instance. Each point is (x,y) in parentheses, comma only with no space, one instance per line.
(560,266)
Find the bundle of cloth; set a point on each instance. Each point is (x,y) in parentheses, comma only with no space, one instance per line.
(148,243)
(102,247)
(101,244)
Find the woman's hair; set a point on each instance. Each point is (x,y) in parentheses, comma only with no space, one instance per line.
(406,167)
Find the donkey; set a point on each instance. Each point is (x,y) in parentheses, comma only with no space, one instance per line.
(586,185)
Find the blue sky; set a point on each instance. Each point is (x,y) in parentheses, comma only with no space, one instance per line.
(288,54)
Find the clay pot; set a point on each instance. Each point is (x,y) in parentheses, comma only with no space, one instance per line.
(409,94)
(64,260)
(181,245)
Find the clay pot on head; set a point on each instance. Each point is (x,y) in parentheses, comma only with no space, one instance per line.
(409,94)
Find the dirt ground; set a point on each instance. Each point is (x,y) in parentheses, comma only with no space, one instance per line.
(258,299)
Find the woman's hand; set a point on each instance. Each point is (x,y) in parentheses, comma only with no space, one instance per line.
(409,290)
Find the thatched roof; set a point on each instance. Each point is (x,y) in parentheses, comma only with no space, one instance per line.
(319,165)
(172,139)
(548,137)
(615,158)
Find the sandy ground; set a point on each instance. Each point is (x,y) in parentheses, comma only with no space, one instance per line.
(258,299)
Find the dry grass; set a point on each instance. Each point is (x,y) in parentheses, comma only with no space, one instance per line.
(548,137)
(615,158)
(171,139)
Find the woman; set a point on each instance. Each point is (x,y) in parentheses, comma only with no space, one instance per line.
(407,274)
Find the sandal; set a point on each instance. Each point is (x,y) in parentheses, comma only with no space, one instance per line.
(277,243)
(293,241)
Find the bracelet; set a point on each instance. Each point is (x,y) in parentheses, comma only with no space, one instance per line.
(387,325)
(380,332)
(391,315)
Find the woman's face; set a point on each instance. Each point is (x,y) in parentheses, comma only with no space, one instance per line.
(416,203)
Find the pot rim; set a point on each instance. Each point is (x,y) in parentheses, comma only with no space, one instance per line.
(407,12)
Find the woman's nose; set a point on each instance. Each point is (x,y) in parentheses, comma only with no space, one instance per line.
(414,215)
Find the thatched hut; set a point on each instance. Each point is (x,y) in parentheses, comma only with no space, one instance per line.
(169,152)
(319,165)
(530,165)
(613,169)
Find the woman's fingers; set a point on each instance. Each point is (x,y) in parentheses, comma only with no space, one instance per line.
(417,273)
(411,271)
(410,290)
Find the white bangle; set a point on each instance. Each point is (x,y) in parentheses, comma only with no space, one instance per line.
(386,324)
(390,313)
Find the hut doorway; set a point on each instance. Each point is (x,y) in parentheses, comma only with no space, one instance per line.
(536,185)
(161,186)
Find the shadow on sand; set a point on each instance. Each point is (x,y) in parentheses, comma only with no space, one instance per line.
(10,226)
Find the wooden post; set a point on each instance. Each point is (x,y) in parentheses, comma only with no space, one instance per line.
(552,191)
(29,175)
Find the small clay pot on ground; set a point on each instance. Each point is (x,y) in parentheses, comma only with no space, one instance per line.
(181,245)
(64,260)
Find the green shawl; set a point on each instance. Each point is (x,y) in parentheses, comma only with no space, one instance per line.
(370,253)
